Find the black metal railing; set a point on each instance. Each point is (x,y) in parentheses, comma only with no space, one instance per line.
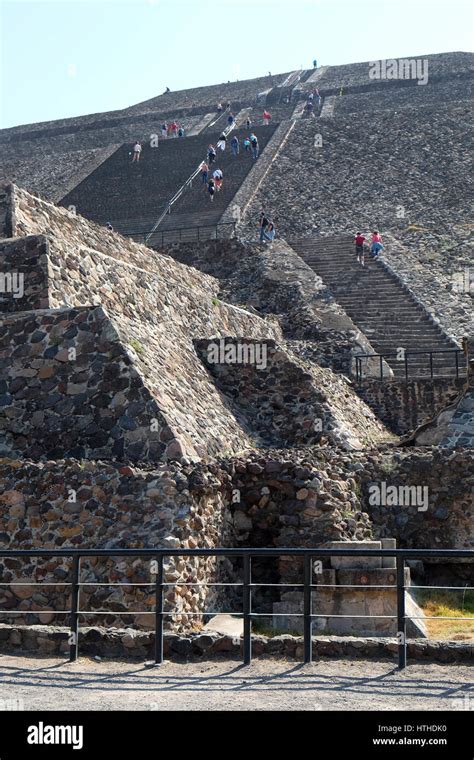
(246,554)
(182,234)
(401,357)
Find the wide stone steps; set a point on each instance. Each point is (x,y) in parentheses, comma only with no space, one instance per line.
(126,193)
(380,306)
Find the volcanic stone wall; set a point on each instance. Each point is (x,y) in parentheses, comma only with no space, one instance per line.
(69,388)
(394,98)
(404,405)
(300,497)
(448,521)
(22,265)
(277,282)
(83,504)
(287,402)
(157,308)
(244,501)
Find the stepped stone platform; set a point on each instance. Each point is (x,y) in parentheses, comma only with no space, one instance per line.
(106,355)
(118,425)
(51,158)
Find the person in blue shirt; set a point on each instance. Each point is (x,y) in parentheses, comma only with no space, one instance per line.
(375,249)
(269,233)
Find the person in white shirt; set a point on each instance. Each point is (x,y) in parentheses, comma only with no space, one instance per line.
(137,149)
(218,177)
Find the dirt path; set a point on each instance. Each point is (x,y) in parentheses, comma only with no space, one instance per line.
(53,683)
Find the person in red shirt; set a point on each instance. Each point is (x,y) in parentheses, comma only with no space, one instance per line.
(266,118)
(359,241)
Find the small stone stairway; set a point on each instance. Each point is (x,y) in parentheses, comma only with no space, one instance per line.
(380,306)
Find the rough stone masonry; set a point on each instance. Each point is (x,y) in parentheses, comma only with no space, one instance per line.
(117,431)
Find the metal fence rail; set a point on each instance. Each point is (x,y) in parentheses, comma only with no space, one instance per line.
(177,234)
(359,358)
(246,554)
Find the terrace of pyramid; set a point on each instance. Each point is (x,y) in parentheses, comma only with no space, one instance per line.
(194,387)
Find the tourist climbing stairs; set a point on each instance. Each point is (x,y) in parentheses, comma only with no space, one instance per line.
(385,311)
(132,196)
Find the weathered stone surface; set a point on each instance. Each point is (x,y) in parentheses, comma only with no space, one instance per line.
(102,642)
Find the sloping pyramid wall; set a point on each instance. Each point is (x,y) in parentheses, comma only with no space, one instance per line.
(138,362)
(135,387)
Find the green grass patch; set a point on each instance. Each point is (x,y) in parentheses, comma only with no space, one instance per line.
(451,604)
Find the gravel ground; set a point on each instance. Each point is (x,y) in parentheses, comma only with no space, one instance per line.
(267,684)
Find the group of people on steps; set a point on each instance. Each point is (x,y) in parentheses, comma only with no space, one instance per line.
(376,246)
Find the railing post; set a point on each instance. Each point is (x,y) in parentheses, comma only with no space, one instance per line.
(457,364)
(405,356)
(401,619)
(431,364)
(247,600)
(381,366)
(307,621)
(159,617)
(74,635)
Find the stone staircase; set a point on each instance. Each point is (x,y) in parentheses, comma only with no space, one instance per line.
(381,307)
(132,195)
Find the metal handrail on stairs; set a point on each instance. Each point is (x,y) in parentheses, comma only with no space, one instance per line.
(403,357)
(188,183)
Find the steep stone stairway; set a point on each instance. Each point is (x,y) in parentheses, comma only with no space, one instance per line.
(380,306)
(132,195)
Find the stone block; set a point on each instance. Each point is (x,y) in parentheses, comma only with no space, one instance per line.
(389,543)
(355,561)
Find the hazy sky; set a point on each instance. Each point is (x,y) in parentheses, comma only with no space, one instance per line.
(70,57)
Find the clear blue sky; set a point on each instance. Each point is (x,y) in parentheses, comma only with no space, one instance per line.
(69,57)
